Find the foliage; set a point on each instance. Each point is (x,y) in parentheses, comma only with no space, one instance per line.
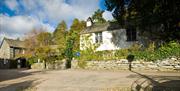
(40,47)
(44,38)
(69,49)
(89,50)
(31,43)
(168,50)
(97,16)
(74,33)
(32,60)
(59,36)
(121,54)
(72,40)
(43,52)
(160,18)
(44,41)
(148,54)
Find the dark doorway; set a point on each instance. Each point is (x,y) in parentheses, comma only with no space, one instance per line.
(131,34)
(21,62)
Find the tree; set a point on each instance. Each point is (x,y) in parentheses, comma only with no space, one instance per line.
(69,51)
(59,36)
(158,17)
(97,16)
(31,43)
(73,40)
(43,51)
(74,33)
(37,44)
(44,38)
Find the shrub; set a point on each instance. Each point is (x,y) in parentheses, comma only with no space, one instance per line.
(82,64)
(32,60)
(121,54)
(149,54)
(170,49)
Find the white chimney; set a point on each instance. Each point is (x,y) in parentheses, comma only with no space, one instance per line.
(89,22)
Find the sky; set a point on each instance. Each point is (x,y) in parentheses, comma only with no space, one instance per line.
(18,17)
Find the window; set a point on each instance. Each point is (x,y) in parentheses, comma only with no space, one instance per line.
(11,52)
(16,52)
(98,37)
(131,34)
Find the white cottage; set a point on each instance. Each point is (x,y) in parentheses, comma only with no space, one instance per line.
(108,36)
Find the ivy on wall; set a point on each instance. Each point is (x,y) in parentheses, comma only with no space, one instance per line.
(150,53)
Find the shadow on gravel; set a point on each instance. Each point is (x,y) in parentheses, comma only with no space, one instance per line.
(9,74)
(17,86)
(155,83)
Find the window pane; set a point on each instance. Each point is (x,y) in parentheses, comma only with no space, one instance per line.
(134,34)
(131,34)
(98,37)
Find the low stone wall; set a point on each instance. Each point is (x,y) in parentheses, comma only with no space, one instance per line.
(56,65)
(37,66)
(170,64)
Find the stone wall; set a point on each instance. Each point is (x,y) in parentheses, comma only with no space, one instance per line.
(56,65)
(170,64)
(5,50)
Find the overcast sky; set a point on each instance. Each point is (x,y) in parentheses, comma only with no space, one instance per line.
(18,17)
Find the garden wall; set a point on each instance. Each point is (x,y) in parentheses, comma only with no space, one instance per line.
(56,65)
(169,64)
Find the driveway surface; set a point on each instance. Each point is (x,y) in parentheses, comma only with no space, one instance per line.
(86,80)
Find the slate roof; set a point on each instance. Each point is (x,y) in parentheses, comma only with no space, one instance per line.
(97,27)
(15,43)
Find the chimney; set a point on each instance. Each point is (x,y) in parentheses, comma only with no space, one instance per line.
(89,22)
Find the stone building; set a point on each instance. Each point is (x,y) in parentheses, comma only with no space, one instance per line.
(11,49)
(108,36)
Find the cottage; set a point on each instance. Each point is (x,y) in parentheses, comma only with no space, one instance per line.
(10,49)
(107,36)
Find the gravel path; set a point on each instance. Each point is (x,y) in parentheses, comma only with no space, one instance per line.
(79,80)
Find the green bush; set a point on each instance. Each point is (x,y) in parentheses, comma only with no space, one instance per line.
(167,50)
(32,60)
(148,54)
(121,54)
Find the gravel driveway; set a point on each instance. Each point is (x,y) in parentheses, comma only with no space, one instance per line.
(82,80)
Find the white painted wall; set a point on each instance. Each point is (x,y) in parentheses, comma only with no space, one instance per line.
(106,44)
(112,40)
(88,23)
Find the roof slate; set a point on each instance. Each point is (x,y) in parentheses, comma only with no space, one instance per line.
(15,43)
(99,27)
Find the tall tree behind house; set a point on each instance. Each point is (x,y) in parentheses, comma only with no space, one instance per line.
(97,16)
(160,18)
(59,36)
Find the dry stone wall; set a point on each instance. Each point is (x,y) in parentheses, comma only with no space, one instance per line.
(169,64)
